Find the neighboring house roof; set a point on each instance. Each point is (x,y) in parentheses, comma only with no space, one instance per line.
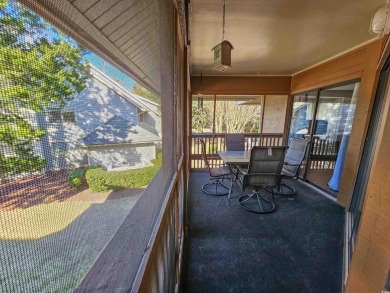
(141,103)
(153,105)
(118,130)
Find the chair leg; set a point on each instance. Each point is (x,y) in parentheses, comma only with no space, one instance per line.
(223,184)
(283,189)
(220,188)
(265,205)
(233,179)
(249,197)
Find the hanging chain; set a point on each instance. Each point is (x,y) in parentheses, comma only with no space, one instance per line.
(223,21)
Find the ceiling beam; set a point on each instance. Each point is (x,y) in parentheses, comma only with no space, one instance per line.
(240,85)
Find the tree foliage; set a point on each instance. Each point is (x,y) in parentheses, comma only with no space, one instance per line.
(39,68)
(229,117)
(201,118)
(143,92)
(233,118)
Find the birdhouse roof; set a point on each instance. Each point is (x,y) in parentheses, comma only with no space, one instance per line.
(223,42)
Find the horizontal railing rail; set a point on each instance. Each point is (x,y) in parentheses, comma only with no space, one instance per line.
(323,153)
(322,148)
(216,142)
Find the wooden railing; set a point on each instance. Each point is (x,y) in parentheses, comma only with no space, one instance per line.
(216,142)
(324,149)
(323,153)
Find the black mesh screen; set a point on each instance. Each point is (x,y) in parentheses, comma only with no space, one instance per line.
(80,152)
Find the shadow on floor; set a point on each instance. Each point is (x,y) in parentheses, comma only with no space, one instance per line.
(298,248)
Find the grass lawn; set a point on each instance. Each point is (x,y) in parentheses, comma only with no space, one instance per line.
(49,246)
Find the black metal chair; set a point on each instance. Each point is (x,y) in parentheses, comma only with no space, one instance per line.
(263,172)
(292,165)
(217,176)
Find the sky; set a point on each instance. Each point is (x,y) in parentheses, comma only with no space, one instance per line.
(51,34)
(110,70)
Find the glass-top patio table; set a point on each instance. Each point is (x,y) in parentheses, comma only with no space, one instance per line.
(234,158)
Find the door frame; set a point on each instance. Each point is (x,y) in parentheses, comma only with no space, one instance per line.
(312,130)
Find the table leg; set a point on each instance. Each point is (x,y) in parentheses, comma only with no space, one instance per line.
(233,179)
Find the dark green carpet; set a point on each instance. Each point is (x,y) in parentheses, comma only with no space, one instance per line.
(298,248)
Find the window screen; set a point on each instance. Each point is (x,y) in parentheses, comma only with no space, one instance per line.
(62,109)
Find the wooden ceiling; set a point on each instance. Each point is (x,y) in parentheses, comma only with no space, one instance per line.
(130,26)
(125,32)
(275,37)
(278,37)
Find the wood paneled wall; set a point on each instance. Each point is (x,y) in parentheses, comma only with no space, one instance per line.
(274,113)
(370,265)
(360,63)
(371,259)
(241,85)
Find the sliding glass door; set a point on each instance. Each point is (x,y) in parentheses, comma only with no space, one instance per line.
(333,110)
(302,115)
(303,109)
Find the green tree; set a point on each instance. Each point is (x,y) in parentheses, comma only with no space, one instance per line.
(39,68)
(200,118)
(143,92)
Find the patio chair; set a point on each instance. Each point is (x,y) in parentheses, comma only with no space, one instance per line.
(217,176)
(235,142)
(264,170)
(293,162)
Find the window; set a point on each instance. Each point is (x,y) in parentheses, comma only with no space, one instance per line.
(54,116)
(233,114)
(217,54)
(69,117)
(58,116)
(260,117)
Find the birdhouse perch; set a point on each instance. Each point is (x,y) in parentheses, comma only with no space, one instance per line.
(223,56)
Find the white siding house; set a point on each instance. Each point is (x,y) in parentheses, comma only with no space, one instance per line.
(84,131)
(119,144)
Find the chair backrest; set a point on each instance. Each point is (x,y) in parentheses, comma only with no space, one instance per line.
(295,155)
(235,142)
(204,155)
(265,166)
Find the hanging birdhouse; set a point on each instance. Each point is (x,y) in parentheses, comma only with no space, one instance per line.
(223,56)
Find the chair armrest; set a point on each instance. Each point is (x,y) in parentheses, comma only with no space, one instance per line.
(287,164)
(263,174)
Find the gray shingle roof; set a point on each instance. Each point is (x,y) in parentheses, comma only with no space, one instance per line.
(119,130)
(140,102)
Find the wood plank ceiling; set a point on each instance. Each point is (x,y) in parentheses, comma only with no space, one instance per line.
(278,37)
(125,32)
